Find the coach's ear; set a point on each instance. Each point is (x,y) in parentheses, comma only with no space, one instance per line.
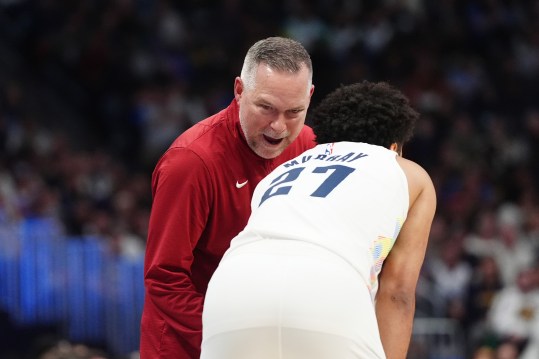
(238,88)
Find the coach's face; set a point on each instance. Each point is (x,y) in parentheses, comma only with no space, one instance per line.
(273,108)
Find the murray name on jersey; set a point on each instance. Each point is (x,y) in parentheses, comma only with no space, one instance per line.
(349,157)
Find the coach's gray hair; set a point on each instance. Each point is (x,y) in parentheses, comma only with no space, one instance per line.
(279,53)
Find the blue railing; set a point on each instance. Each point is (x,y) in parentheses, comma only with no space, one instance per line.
(74,282)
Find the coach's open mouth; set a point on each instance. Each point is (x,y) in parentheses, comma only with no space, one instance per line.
(273,141)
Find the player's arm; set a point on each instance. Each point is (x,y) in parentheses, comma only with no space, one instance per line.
(181,203)
(395,300)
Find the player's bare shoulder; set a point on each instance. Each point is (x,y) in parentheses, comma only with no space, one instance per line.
(419,182)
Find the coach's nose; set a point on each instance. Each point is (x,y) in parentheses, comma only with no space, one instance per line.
(278,125)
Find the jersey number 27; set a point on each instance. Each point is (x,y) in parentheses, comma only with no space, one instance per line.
(339,173)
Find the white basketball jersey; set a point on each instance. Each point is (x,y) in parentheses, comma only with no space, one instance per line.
(349,198)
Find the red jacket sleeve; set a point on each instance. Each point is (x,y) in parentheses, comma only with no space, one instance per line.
(171,324)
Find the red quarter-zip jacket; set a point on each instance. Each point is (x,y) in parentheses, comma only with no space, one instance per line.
(202,188)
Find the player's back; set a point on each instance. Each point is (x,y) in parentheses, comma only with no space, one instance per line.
(320,228)
(348,198)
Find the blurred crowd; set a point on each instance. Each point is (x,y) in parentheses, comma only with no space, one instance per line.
(140,72)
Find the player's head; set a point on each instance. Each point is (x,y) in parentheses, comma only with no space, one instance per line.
(274,93)
(374,113)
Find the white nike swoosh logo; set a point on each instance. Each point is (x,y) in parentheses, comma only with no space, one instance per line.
(240,185)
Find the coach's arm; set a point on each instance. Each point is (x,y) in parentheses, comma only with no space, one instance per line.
(171,325)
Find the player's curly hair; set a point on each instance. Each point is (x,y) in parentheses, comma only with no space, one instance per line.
(375,113)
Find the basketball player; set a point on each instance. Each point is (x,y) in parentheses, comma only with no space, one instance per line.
(328,263)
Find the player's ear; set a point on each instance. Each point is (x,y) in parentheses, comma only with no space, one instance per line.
(395,147)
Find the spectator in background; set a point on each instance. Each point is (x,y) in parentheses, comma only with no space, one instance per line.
(514,314)
(513,252)
(67,350)
(485,285)
(482,240)
(451,274)
(202,187)
(508,350)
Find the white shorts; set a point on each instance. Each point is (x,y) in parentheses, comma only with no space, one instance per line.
(280,299)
